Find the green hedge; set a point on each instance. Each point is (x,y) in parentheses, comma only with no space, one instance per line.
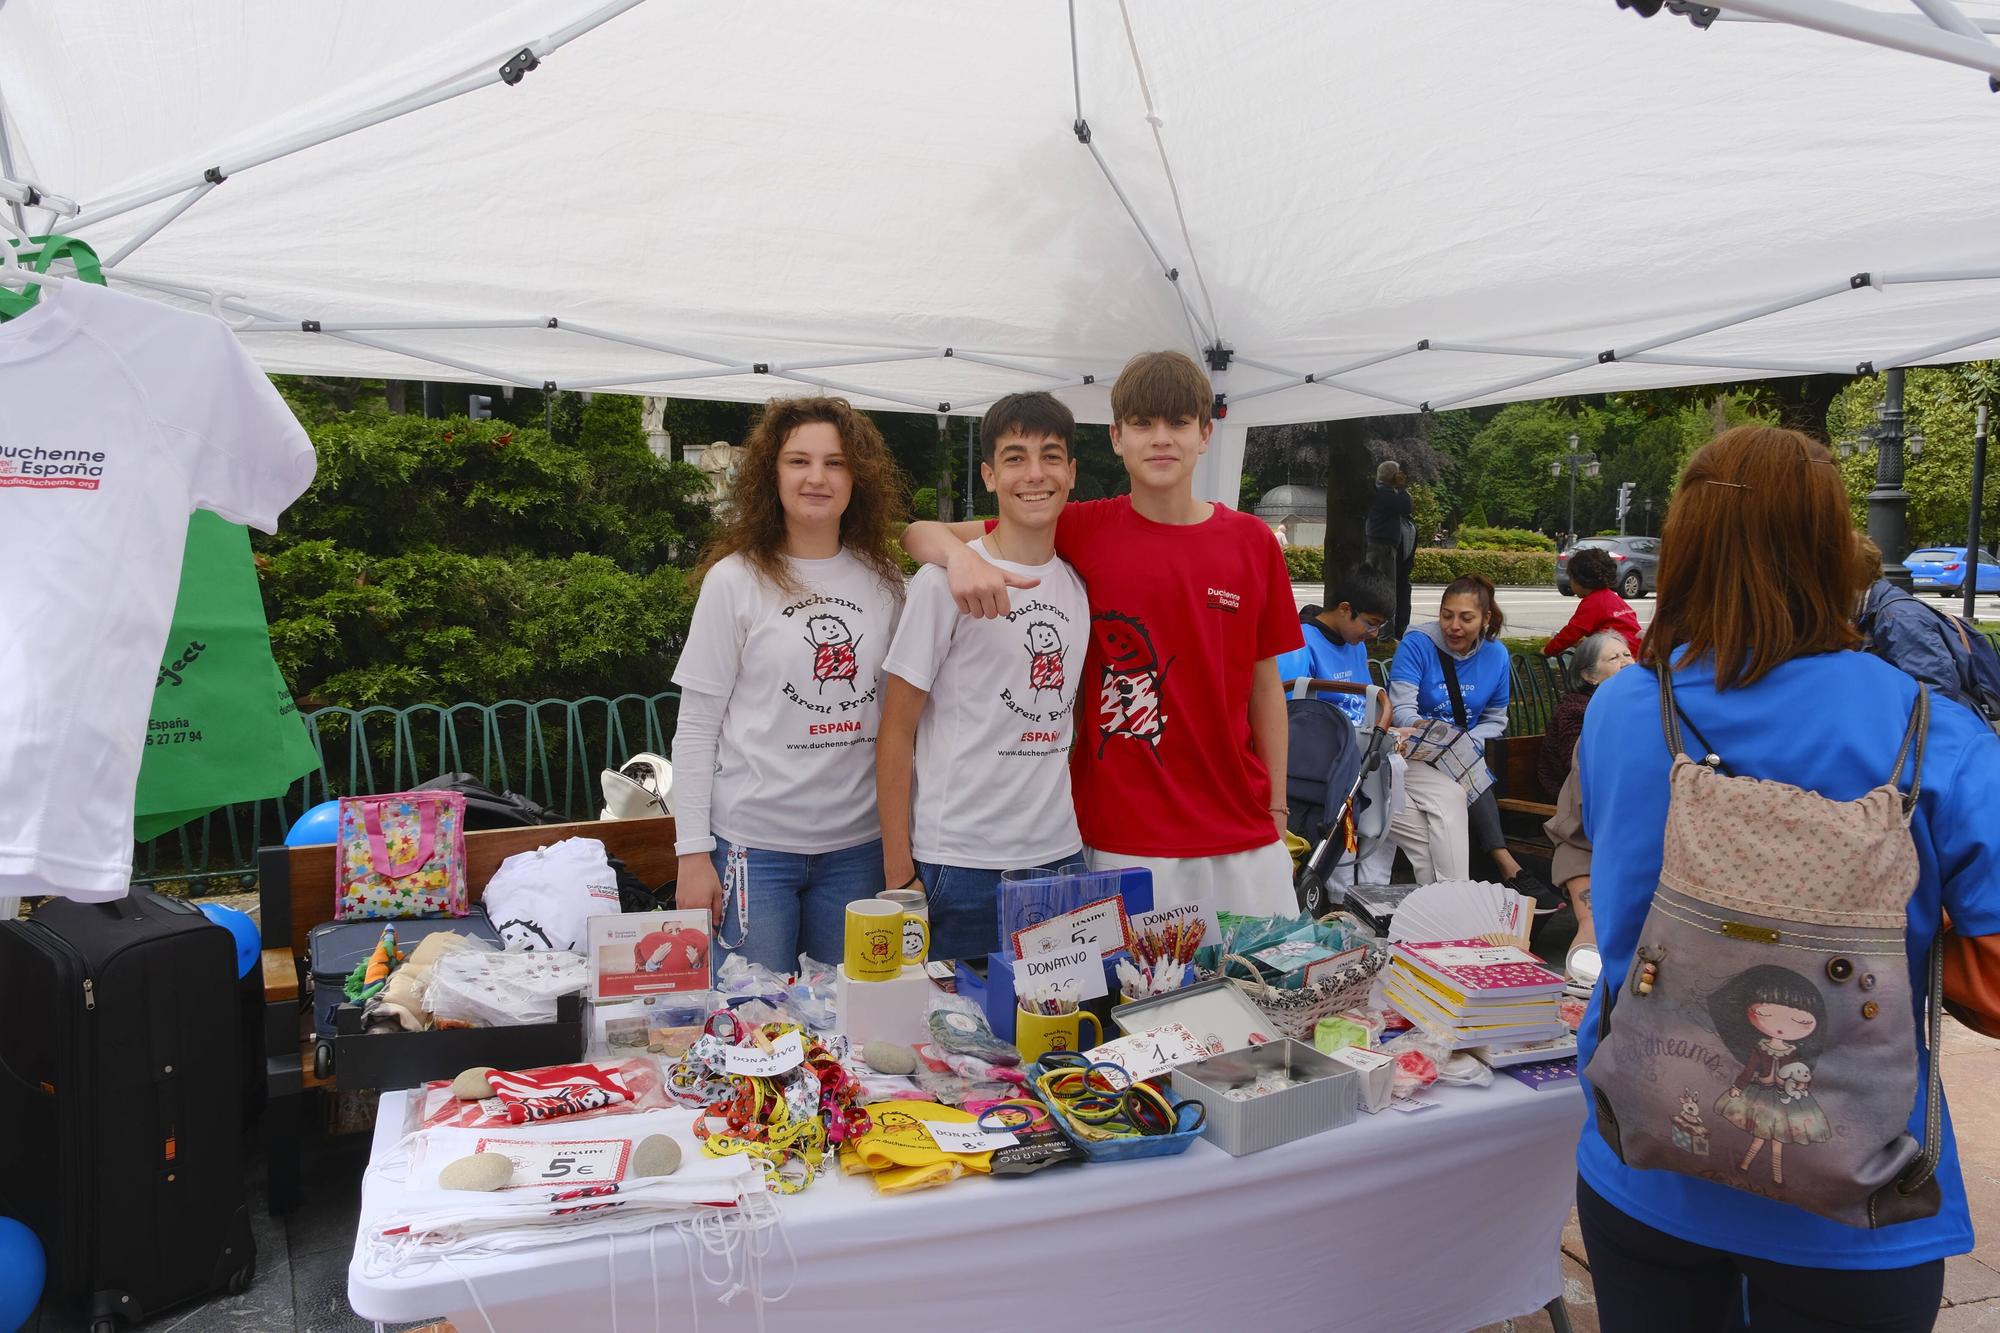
(1507,569)
(1503,539)
(1516,569)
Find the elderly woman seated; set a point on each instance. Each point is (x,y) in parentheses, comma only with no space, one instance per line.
(1597,659)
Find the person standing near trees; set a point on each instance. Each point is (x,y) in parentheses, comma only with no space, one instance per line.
(1391,535)
(774,751)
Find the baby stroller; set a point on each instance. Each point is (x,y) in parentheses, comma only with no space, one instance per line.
(1336,784)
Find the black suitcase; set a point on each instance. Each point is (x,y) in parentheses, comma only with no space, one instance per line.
(121,1137)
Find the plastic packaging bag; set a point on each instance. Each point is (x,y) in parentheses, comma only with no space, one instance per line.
(487,987)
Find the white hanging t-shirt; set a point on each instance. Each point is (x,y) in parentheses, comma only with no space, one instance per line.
(992,779)
(118,418)
(802,674)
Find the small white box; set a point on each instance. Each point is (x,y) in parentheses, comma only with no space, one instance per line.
(1378,1074)
(892,1010)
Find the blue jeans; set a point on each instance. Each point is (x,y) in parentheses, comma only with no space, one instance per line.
(798,904)
(965,910)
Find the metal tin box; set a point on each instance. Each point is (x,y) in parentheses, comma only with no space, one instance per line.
(1325,1097)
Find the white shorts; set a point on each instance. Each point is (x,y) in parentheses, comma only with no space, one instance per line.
(1253,883)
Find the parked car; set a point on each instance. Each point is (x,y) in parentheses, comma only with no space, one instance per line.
(1941,569)
(1638,563)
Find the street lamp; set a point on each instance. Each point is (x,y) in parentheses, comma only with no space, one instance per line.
(1888,502)
(1574,462)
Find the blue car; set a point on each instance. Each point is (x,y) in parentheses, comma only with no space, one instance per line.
(1941,569)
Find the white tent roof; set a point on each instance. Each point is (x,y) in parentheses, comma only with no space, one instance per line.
(840,192)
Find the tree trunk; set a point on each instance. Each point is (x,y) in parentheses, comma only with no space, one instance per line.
(1350,486)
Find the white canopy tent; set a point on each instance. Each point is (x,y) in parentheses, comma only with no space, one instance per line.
(1375,206)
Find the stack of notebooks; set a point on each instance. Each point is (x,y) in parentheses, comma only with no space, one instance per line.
(1472,993)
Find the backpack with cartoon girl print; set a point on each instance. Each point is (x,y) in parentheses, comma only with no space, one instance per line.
(1765,1035)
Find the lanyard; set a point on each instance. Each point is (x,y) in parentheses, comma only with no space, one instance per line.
(735,877)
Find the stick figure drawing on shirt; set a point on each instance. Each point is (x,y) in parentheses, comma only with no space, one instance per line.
(833,646)
(1129,697)
(1045,663)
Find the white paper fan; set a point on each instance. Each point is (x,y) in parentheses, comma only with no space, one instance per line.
(1463,910)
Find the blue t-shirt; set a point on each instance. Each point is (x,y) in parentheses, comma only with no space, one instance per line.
(1831,723)
(1326,658)
(1483,681)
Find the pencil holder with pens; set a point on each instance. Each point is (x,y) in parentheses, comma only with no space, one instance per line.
(1037,1034)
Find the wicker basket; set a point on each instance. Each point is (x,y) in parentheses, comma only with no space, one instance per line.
(1295,1012)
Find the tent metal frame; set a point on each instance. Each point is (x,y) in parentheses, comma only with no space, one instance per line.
(1937,29)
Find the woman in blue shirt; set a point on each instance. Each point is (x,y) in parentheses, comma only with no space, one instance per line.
(1433,826)
(1758,578)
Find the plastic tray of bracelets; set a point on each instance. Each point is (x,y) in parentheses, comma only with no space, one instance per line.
(1080,1094)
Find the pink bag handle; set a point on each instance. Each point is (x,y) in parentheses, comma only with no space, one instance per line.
(378,850)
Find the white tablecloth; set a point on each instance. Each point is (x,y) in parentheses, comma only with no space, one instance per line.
(1439,1221)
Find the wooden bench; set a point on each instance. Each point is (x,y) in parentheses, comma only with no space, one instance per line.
(296,892)
(1518,791)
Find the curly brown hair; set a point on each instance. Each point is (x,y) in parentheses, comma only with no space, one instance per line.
(875,511)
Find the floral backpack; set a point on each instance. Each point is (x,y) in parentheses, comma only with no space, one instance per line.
(401,855)
(1765,1035)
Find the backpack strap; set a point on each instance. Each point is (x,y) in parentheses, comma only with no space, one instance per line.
(1914,738)
(1671,718)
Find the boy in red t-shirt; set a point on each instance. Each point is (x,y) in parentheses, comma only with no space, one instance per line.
(1592,572)
(1180,738)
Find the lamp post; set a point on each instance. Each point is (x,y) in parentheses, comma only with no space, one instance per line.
(1573,461)
(1978,500)
(1888,503)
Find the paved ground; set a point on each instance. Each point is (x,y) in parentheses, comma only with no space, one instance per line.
(1543,611)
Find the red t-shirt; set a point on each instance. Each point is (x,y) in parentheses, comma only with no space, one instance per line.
(1180,617)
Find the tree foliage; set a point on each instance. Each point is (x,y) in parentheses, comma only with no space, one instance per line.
(1942,404)
(440,560)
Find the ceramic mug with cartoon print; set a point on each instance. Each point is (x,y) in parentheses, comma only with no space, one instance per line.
(874,941)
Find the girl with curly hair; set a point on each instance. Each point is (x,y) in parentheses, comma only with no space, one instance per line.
(774,751)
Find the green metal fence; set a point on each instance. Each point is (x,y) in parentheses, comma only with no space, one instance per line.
(550,751)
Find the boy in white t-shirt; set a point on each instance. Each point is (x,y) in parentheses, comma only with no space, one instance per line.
(985,707)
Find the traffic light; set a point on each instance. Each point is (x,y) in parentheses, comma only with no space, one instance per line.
(479,406)
(1625,489)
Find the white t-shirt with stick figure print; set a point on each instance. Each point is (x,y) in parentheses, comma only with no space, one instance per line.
(802,676)
(992,780)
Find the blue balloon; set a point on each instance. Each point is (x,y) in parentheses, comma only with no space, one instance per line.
(23,1269)
(319,824)
(248,943)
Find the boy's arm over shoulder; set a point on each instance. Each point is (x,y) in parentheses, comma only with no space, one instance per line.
(978,587)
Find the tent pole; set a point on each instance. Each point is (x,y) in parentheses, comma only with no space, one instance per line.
(1731,363)
(1203,335)
(1982,25)
(838,387)
(1950,17)
(397,325)
(1493,349)
(1647,345)
(188,200)
(118,205)
(659,377)
(1329,377)
(20,225)
(1916,276)
(1878,29)
(1002,363)
(1923,354)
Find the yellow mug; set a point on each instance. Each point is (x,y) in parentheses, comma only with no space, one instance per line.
(1038,1034)
(874,940)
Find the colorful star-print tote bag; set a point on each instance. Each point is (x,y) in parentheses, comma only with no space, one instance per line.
(401,855)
